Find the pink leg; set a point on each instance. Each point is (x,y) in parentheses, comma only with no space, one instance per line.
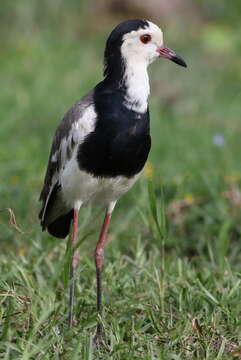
(99,259)
(73,266)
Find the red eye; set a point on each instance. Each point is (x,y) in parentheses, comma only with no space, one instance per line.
(146,38)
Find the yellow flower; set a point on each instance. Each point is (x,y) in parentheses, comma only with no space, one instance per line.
(149,170)
(189,198)
(14,179)
(21,251)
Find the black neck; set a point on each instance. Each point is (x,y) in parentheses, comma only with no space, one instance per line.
(114,75)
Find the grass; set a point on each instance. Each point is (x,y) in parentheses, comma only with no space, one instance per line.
(172,265)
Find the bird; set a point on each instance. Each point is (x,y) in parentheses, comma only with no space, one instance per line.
(102,143)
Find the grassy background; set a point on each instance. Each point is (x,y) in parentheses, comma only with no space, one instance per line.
(171,283)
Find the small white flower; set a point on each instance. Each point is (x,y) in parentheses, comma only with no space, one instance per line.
(57,331)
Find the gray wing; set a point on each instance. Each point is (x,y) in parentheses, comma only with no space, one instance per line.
(64,142)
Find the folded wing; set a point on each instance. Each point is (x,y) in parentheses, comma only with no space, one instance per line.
(75,126)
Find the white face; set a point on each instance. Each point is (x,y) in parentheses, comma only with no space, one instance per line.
(141,45)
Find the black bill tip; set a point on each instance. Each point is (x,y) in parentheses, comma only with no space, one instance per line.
(178,60)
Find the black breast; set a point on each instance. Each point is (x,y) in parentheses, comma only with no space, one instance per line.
(121,141)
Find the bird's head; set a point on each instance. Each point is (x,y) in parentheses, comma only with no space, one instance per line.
(136,41)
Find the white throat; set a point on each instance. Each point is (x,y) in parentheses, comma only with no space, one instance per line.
(136,81)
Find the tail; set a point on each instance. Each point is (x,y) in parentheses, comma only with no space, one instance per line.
(54,215)
(61,226)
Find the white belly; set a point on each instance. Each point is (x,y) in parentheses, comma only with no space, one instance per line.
(80,187)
